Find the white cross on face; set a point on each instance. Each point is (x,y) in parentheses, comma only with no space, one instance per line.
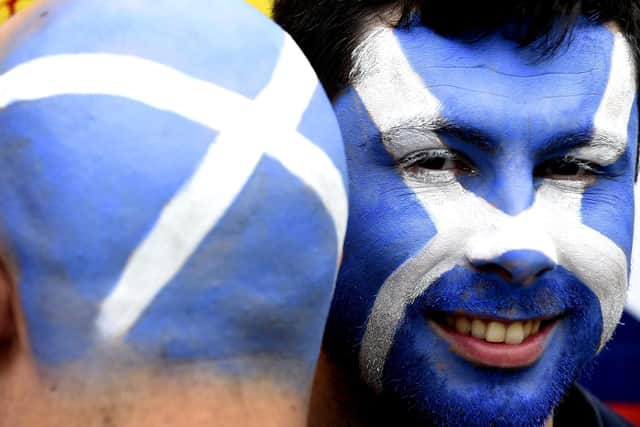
(249,129)
(468,226)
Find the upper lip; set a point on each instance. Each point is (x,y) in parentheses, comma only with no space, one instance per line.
(438,316)
(511,331)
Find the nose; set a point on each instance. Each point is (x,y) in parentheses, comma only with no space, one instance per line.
(519,252)
(516,266)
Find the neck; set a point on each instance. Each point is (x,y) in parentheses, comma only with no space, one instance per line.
(143,399)
(340,399)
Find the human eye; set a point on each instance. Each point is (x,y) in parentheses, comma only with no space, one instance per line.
(432,164)
(568,169)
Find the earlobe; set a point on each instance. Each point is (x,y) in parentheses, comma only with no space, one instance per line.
(633,298)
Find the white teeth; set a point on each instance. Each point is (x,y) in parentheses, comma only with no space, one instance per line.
(478,329)
(494,331)
(515,333)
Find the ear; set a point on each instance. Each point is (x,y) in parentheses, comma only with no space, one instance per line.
(633,300)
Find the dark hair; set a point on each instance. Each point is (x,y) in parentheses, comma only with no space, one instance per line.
(329,30)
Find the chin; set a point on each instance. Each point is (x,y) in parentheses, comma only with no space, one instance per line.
(427,379)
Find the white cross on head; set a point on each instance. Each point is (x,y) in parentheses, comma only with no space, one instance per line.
(248,129)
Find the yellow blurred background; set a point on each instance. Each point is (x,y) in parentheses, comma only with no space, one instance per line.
(10,7)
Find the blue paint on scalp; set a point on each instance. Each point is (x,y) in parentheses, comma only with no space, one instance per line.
(255,285)
(320,126)
(78,196)
(84,179)
(169,32)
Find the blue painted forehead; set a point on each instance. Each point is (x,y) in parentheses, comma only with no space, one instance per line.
(515,81)
(587,50)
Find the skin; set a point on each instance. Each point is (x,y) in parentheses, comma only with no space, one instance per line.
(484,184)
(170,229)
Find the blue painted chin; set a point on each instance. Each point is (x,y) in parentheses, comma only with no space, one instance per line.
(424,377)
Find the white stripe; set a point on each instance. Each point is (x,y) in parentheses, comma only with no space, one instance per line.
(633,303)
(391,81)
(614,111)
(181,227)
(138,79)
(249,129)
(295,81)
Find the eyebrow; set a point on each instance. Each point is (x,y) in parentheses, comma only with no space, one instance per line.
(593,138)
(476,137)
(441,126)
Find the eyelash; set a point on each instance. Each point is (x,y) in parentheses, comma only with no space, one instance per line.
(424,165)
(436,155)
(585,168)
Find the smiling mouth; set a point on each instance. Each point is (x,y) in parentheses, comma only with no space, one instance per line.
(495,342)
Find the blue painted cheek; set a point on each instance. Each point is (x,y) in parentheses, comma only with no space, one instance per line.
(424,374)
(607,206)
(386,225)
(76,199)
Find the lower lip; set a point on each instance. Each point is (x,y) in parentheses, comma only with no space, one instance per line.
(495,355)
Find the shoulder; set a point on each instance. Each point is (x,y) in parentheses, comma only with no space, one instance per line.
(581,408)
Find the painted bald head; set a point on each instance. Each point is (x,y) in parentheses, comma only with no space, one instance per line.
(491,217)
(173,192)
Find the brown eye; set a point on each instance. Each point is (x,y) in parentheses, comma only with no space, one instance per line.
(566,168)
(435,163)
(429,162)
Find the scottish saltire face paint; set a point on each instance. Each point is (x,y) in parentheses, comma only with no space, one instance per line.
(173,190)
(491,215)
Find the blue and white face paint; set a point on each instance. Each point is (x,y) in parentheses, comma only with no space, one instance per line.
(169,205)
(491,196)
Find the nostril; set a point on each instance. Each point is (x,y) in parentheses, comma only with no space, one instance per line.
(516,266)
(497,269)
(542,272)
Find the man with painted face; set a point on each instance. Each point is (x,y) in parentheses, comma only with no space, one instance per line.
(172,210)
(492,154)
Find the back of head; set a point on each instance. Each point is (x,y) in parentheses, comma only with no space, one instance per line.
(172,211)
